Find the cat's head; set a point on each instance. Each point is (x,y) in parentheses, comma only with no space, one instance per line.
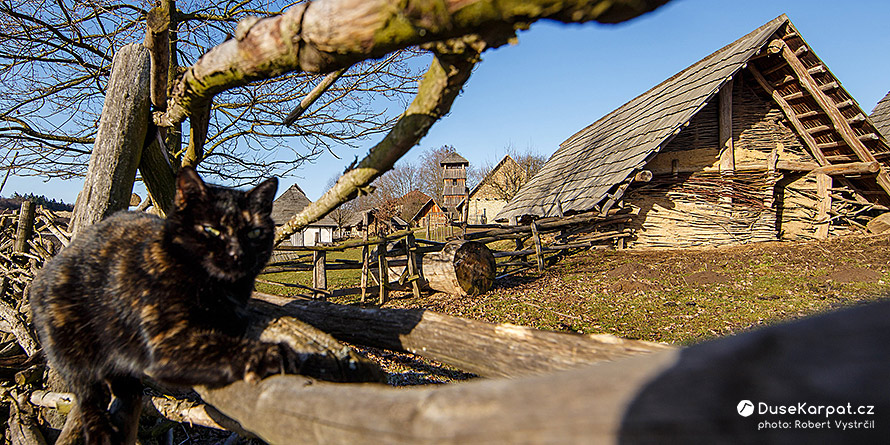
(230,232)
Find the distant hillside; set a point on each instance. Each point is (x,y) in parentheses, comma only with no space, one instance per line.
(15,202)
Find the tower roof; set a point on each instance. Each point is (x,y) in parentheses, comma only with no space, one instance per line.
(454,158)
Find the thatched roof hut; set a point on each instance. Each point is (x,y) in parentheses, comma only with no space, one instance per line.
(292,202)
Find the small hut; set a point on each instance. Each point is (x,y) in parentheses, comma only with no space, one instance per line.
(293,201)
(758,141)
(431,215)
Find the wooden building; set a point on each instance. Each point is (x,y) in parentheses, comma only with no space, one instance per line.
(494,191)
(454,174)
(758,141)
(880,116)
(293,201)
(431,215)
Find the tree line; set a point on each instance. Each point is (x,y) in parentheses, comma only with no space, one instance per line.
(15,202)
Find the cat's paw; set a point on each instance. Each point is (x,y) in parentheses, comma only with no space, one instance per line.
(272,358)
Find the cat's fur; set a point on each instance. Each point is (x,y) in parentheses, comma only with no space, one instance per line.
(135,295)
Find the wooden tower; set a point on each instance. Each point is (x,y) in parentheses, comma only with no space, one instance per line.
(454,175)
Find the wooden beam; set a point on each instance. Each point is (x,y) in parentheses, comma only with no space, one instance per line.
(827,105)
(857,119)
(818,69)
(319,273)
(727,150)
(383,269)
(365,257)
(809,114)
(790,115)
(829,87)
(819,129)
(539,254)
(796,166)
(411,253)
(853,168)
(823,183)
(837,119)
(794,96)
(643,176)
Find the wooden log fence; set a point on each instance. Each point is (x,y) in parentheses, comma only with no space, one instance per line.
(403,249)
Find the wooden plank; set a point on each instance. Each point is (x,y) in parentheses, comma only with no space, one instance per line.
(790,115)
(823,183)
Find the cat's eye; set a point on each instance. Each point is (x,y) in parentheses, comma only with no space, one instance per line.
(255,233)
(212,231)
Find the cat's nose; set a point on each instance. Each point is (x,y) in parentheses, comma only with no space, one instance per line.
(235,252)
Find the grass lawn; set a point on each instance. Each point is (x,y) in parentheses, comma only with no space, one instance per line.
(676,296)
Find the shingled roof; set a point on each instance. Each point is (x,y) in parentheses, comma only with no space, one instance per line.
(587,169)
(291,202)
(454,158)
(880,116)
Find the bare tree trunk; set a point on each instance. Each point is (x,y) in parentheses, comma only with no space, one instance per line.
(118,147)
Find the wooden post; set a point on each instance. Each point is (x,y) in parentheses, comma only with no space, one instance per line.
(119,140)
(365,257)
(319,272)
(383,269)
(539,251)
(25,226)
(413,270)
(428,228)
(727,149)
(823,183)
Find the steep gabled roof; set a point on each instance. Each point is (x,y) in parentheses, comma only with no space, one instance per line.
(587,165)
(506,162)
(291,202)
(428,204)
(587,169)
(880,116)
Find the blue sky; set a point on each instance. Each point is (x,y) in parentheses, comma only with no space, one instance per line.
(560,78)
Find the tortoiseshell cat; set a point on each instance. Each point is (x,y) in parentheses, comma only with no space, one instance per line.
(135,295)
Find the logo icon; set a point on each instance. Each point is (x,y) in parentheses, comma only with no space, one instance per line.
(745,408)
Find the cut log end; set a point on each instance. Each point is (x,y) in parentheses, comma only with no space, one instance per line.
(461,268)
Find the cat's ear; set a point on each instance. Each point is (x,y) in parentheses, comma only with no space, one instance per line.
(262,196)
(189,186)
